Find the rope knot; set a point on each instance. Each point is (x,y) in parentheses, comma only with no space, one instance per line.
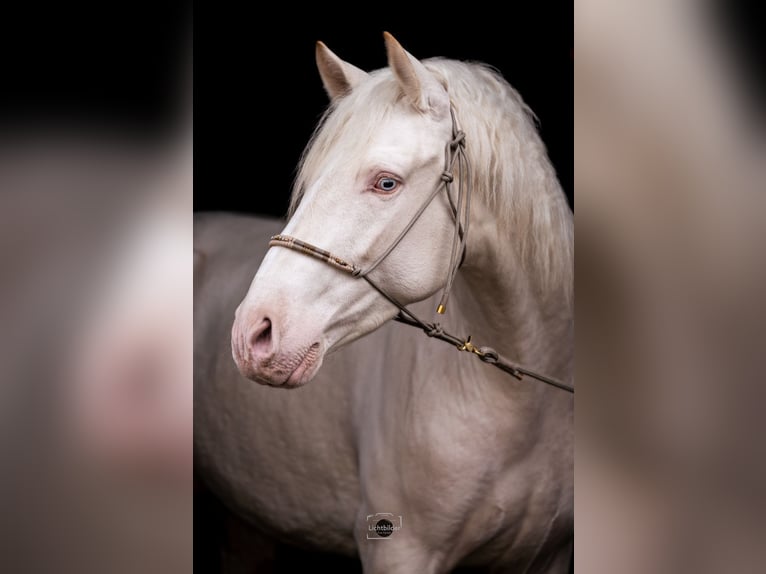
(434,330)
(356,272)
(447,176)
(458,139)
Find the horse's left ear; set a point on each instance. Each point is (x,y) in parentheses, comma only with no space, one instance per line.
(420,86)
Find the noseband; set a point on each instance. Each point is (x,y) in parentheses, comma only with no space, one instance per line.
(454,154)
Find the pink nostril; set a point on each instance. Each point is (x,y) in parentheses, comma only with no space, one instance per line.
(260,340)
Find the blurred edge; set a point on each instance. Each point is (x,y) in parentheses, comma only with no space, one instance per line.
(95,288)
(669,175)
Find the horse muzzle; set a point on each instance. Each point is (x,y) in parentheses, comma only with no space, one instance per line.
(265,356)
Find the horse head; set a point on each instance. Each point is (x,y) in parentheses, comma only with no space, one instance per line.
(378,155)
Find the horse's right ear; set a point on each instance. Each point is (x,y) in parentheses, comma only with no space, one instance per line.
(338,77)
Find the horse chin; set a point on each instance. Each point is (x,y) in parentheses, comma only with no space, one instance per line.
(289,372)
(306,369)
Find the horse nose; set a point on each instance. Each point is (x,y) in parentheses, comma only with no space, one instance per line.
(260,340)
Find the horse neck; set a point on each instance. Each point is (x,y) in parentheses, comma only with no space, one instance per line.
(506,305)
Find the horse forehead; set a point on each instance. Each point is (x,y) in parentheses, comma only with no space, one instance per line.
(396,140)
(402,140)
(408,127)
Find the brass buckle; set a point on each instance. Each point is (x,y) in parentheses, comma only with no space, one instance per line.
(470,347)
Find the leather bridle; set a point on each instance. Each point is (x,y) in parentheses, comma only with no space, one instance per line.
(454,154)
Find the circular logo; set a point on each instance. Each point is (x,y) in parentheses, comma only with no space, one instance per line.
(384,528)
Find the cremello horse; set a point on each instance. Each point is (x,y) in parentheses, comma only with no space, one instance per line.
(478,465)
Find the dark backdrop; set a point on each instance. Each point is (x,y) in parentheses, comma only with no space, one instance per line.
(121,71)
(263,95)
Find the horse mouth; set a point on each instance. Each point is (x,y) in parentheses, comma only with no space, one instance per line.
(289,369)
(306,369)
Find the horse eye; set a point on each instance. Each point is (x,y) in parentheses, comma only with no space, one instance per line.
(386,184)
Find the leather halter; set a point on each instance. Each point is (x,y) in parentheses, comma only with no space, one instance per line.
(454,153)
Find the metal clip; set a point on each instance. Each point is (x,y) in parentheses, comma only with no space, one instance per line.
(470,347)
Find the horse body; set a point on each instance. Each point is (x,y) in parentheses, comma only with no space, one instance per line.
(477,464)
(465,471)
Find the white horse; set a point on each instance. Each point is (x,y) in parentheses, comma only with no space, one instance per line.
(416,456)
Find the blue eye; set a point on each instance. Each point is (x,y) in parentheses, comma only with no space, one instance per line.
(386,185)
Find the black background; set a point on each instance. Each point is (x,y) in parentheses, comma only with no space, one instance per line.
(265,94)
(95,69)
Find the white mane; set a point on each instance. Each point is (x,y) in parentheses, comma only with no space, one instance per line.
(512,173)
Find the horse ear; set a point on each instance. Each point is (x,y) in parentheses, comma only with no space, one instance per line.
(419,85)
(338,77)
